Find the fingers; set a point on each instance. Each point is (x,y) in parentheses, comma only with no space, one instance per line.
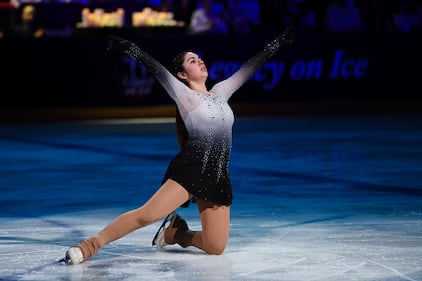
(115,43)
(288,35)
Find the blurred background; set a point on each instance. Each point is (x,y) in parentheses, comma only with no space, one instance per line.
(326,164)
(350,56)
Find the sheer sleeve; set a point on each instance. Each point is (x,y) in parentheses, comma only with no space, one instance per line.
(175,88)
(230,85)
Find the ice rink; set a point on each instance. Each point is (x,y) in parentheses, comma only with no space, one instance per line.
(315,198)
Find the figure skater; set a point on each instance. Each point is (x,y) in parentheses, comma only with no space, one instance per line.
(199,172)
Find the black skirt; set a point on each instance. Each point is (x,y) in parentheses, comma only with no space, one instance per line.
(204,182)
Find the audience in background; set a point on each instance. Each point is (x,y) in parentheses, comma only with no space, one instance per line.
(211,17)
(299,14)
(182,9)
(343,16)
(407,16)
(245,16)
(418,17)
(28,26)
(402,19)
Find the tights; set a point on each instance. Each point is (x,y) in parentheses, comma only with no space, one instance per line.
(212,239)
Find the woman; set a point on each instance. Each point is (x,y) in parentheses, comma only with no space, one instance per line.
(200,170)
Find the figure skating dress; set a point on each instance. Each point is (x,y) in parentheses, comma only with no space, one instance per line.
(201,167)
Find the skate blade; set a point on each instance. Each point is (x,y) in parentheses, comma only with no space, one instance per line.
(64,261)
(161,228)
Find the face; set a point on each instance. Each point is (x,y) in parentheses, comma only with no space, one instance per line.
(28,13)
(195,69)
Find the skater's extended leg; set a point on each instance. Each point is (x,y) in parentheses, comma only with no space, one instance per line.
(168,198)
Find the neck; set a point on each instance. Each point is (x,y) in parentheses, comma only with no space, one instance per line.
(199,87)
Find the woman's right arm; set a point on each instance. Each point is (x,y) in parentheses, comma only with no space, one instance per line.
(173,86)
(229,86)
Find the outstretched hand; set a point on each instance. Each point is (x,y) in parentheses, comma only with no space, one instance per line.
(287,37)
(116,43)
(129,48)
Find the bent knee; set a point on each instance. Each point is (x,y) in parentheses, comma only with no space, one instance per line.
(215,248)
(215,251)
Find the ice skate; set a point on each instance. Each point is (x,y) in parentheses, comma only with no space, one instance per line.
(73,256)
(176,232)
(81,252)
(158,239)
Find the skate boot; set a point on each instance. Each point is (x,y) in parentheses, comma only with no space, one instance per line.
(158,239)
(81,252)
(177,231)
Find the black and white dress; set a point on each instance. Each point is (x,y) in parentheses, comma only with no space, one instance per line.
(201,167)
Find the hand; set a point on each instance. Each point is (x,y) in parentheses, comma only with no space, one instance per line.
(116,43)
(287,37)
(131,49)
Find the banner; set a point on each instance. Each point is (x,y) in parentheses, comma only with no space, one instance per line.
(79,71)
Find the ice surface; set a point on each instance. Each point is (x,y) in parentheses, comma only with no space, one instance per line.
(340,199)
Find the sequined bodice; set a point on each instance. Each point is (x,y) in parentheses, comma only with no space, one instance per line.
(210,132)
(212,118)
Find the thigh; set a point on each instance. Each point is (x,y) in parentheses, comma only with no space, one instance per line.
(167,199)
(215,220)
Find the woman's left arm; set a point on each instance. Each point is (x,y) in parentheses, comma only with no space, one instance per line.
(230,85)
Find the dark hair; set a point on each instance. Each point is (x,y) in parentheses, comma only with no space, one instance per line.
(177,64)
(182,132)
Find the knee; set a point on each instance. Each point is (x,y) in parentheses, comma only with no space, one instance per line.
(215,248)
(215,251)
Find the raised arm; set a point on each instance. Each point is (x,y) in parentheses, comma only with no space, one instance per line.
(229,86)
(167,80)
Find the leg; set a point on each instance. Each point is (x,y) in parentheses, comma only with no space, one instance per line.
(167,199)
(215,220)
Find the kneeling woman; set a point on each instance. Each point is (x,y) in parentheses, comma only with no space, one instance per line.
(200,170)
